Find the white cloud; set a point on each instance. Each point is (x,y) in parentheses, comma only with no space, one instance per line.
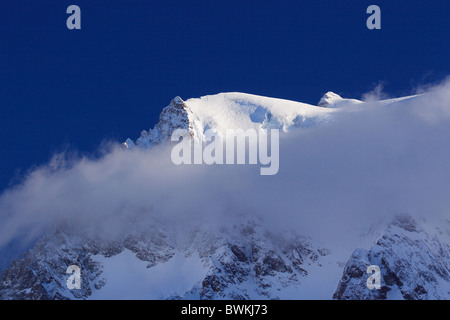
(364,165)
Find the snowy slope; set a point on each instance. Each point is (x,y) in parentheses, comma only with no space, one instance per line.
(333,100)
(239,110)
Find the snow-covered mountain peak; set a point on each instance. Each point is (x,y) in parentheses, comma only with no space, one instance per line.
(236,110)
(178,101)
(232,110)
(329,99)
(230,252)
(175,116)
(333,100)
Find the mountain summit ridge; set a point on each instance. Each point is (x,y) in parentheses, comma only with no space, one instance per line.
(233,110)
(236,110)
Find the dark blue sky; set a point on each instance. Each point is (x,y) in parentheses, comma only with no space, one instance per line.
(64,88)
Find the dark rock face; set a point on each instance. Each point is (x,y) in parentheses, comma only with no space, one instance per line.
(41,273)
(414,264)
(255,264)
(175,116)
